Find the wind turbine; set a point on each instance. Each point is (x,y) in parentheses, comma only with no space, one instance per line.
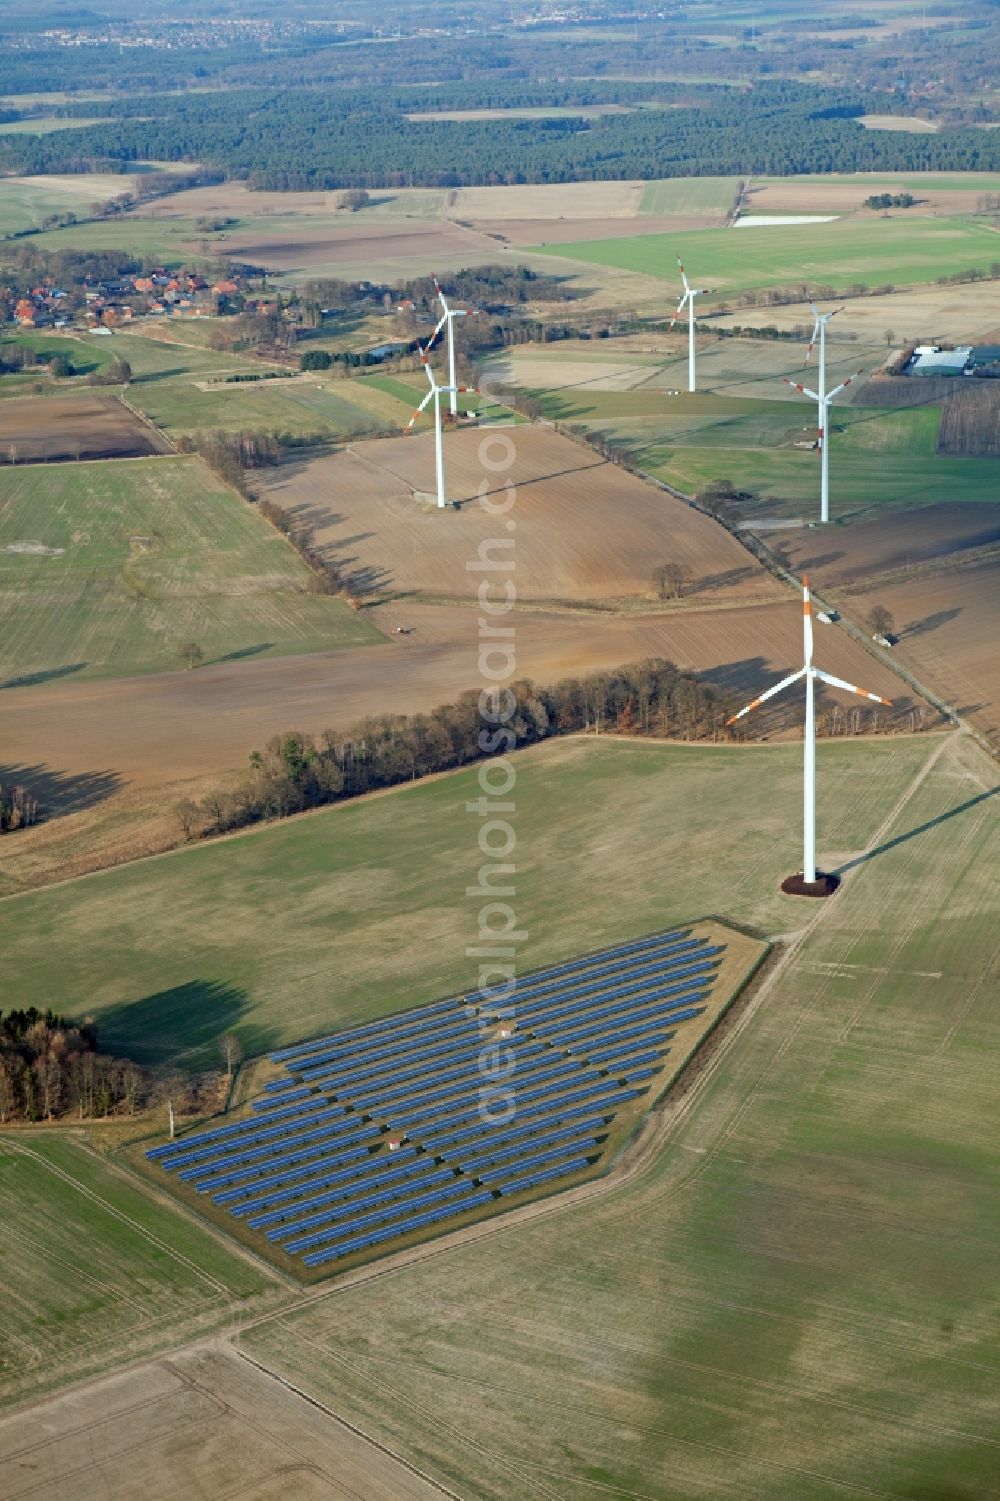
(449,316)
(690,293)
(824,401)
(434,394)
(801,886)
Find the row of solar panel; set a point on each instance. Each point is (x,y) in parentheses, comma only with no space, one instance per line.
(601,958)
(460,1141)
(341,1053)
(328,1064)
(624,1010)
(362,1139)
(552,1090)
(367,1029)
(401,1227)
(506,1187)
(265,1193)
(376,1076)
(327,1215)
(537,1070)
(341,1126)
(457,1186)
(556,1145)
(592,1034)
(249,1140)
(615,998)
(398,1180)
(414,1019)
(638,977)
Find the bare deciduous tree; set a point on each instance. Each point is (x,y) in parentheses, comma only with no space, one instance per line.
(231,1050)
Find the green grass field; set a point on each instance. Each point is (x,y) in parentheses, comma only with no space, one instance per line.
(26,201)
(794,1301)
(97,1273)
(689,195)
(107,569)
(904,252)
(288,931)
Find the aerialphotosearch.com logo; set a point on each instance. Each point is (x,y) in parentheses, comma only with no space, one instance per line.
(497,934)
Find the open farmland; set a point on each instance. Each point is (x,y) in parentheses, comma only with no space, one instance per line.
(26,201)
(234,933)
(968,314)
(586,530)
(73,427)
(845,192)
(171,735)
(790,1297)
(900,251)
(97,1273)
(890,544)
(201,1422)
(949,624)
(110,568)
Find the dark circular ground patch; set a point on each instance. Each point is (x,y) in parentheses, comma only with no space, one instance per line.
(824,885)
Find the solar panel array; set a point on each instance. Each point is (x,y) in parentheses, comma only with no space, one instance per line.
(379,1131)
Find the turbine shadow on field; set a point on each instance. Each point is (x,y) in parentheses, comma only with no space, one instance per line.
(182,1024)
(43,675)
(923,828)
(244,651)
(60,793)
(929,623)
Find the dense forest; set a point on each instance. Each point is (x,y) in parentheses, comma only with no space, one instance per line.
(51,1067)
(309,139)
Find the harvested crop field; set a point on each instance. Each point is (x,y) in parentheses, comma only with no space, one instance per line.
(849,554)
(74,427)
(283,245)
(203,1422)
(586,529)
(844,193)
(949,625)
(968,314)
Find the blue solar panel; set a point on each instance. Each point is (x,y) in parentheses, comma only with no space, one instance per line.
(458,1186)
(321,1062)
(641,976)
(561,1143)
(326,1131)
(222,1151)
(373,1078)
(336,1189)
(602,959)
(273,1101)
(412,1020)
(541,1018)
(330,1213)
(648,1008)
(401,1227)
(366,1137)
(518,1185)
(466,1137)
(623,1063)
(265,1193)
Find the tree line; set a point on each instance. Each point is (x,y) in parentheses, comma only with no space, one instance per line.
(51,1067)
(295,771)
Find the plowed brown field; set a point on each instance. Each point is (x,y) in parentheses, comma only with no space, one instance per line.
(846,555)
(949,626)
(583,529)
(73,427)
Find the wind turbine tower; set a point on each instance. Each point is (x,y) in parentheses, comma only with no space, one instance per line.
(449,314)
(687,300)
(809,883)
(824,400)
(434,394)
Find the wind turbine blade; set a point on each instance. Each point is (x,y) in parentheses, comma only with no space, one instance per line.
(420,408)
(802,390)
(844,385)
(828,677)
(680,309)
(683,275)
(441,296)
(778,688)
(807,624)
